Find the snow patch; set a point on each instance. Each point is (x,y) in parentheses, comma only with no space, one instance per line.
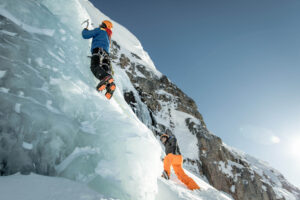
(174,189)
(237,165)
(226,168)
(188,142)
(264,188)
(232,188)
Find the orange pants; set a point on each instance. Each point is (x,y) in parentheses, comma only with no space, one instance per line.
(176,162)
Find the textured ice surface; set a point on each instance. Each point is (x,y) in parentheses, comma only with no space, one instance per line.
(53,122)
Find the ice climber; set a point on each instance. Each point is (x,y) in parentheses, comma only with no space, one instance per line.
(100,61)
(174,158)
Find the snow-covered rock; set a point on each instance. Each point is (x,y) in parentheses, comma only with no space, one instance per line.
(172,112)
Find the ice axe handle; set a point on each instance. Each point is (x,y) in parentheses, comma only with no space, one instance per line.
(87,23)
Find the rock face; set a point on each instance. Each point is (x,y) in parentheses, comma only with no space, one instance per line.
(238,174)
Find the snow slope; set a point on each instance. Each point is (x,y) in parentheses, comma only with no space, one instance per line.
(37,187)
(175,190)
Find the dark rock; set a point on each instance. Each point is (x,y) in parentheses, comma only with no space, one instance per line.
(130,100)
(136,56)
(124,61)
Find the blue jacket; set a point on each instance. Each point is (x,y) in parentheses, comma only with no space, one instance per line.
(100,38)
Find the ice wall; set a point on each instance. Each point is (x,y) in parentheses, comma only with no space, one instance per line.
(52,120)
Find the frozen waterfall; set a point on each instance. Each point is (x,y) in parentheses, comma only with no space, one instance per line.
(53,122)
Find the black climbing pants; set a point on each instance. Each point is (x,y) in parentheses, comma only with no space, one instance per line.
(100,68)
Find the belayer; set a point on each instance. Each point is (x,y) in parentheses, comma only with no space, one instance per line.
(100,61)
(174,158)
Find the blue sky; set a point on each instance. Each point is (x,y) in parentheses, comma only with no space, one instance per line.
(240,62)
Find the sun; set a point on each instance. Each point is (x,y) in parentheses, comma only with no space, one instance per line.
(275,139)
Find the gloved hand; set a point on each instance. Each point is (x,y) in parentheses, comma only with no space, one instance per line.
(165,175)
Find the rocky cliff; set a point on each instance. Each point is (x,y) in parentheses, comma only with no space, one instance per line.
(238,174)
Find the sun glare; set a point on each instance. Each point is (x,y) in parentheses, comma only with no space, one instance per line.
(294,147)
(275,139)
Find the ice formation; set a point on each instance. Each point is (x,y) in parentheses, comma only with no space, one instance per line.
(53,121)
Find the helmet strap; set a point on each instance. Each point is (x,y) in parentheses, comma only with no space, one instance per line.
(103,25)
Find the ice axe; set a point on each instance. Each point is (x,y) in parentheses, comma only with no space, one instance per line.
(87,23)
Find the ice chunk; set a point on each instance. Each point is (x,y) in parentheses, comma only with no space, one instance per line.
(62,31)
(27,146)
(2,74)
(4,90)
(18,108)
(39,61)
(8,33)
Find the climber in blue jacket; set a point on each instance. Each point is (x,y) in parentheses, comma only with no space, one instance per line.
(100,61)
